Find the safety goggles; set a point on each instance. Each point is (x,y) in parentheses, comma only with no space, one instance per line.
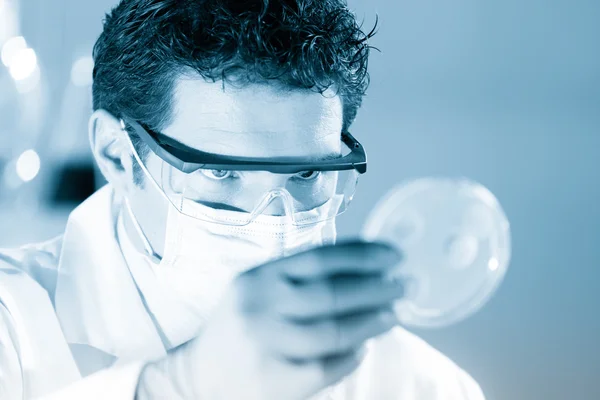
(236,190)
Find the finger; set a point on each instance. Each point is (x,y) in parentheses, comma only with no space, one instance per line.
(325,337)
(332,369)
(339,366)
(315,375)
(334,296)
(351,258)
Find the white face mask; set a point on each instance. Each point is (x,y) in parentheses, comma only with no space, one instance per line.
(201,258)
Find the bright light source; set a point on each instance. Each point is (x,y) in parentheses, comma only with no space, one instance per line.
(23,64)
(82,71)
(30,83)
(11,48)
(493,264)
(28,165)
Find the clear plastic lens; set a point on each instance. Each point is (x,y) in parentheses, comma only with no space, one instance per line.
(259,192)
(456,241)
(238,197)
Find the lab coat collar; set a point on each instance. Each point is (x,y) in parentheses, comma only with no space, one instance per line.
(96,300)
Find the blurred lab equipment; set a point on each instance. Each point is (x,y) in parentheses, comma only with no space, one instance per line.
(456,243)
(46,168)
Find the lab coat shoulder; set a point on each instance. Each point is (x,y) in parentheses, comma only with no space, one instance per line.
(403,366)
(30,335)
(11,380)
(35,360)
(38,261)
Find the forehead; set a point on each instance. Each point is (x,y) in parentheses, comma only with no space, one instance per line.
(255,120)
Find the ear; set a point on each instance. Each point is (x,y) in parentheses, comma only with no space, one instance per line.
(109,143)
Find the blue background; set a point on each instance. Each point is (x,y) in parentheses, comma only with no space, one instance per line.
(507,93)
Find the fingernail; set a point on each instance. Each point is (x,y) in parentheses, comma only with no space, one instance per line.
(392,253)
(411,286)
(399,285)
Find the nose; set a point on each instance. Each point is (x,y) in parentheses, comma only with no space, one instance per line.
(268,191)
(276,207)
(265,181)
(275,203)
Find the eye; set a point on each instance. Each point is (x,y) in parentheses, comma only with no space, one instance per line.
(308,175)
(216,174)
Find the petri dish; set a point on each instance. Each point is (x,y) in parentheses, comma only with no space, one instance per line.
(455,238)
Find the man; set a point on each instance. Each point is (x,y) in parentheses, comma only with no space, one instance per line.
(207,267)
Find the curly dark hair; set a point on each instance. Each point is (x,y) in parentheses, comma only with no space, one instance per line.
(147,44)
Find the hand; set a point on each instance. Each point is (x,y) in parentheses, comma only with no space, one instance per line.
(286,329)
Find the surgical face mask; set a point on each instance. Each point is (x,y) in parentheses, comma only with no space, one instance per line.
(201,258)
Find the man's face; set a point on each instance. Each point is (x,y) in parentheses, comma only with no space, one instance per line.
(254,121)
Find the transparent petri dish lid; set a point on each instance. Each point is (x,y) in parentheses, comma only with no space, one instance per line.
(456,243)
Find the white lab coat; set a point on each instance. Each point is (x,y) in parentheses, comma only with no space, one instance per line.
(74,325)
